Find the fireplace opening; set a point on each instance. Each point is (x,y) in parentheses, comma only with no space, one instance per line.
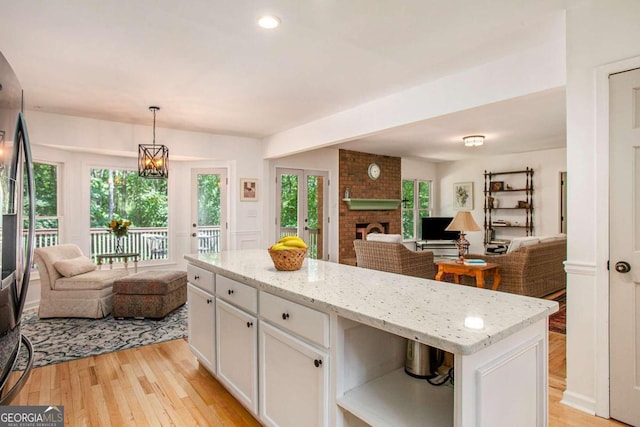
(363,229)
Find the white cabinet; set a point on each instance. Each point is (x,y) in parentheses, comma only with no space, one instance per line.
(238,294)
(305,322)
(294,380)
(237,358)
(201,305)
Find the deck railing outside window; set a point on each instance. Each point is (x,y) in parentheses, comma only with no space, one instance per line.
(150,243)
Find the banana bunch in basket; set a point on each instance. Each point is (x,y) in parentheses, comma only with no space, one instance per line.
(289,242)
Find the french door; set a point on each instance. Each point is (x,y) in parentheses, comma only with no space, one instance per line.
(208,210)
(301,208)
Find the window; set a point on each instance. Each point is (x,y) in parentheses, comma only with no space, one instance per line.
(122,194)
(46,178)
(416,203)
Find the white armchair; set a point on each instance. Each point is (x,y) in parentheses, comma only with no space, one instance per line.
(70,284)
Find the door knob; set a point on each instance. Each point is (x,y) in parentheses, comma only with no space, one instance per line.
(623,267)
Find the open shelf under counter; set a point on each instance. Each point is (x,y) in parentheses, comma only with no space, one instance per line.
(397,399)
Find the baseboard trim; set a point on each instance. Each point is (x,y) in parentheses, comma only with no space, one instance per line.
(579,402)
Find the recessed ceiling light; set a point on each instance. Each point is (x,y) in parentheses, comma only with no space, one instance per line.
(269,21)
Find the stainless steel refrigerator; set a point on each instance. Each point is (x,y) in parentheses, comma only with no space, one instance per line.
(17,207)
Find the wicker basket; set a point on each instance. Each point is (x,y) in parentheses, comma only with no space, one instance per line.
(288,259)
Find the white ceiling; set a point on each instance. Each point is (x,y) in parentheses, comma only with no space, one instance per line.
(210,68)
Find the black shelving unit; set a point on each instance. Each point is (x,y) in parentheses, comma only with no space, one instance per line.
(508,184)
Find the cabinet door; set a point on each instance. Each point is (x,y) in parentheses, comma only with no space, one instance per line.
(237,358)
(294,379)
(201,308)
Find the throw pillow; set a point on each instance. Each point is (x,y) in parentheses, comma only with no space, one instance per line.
(74,266)
(389,238)
(520,242)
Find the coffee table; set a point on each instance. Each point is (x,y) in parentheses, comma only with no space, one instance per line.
(124,256)
(480,272)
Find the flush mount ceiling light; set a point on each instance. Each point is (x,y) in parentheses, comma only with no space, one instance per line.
(269,21)
(473,140)
(153,160)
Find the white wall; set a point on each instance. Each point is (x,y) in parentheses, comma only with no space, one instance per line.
(546,166)
(413,168)
(79,144)
(599,34)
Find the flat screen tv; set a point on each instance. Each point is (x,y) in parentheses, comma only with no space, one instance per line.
(433,228)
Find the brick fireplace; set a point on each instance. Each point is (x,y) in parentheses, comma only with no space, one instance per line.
(353,168)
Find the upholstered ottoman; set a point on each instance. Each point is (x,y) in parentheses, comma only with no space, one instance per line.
(152,294)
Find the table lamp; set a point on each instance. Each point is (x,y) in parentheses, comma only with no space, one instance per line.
(462,222)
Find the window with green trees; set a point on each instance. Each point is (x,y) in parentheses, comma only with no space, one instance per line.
(416,204)
(289,201)
(45,176)
(117,193)
(209,200)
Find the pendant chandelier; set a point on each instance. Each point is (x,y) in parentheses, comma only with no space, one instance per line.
(153,160)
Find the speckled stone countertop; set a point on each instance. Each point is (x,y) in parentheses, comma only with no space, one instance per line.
(431,312)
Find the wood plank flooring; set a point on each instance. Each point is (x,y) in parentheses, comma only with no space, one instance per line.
(163,384)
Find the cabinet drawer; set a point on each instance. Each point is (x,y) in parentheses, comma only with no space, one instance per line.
(306,322)
(244,296)
(201,278)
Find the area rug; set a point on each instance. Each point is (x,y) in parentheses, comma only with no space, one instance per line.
(63,339)
(558,320)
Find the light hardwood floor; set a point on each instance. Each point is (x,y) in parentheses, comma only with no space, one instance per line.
(163,384)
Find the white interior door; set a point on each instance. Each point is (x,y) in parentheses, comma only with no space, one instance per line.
(208,210)
(624,276)
(302,208)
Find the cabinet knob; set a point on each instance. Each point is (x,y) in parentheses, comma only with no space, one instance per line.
(196,277)
(249,324)
(230,291)
(317,363)
(209,300)
(285,316)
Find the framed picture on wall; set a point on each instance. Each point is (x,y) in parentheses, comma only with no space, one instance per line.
(248,190)
(463,196)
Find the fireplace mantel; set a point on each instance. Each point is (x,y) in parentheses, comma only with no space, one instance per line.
(372,204)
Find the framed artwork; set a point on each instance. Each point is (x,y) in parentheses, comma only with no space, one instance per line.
(463,196)
(248,190)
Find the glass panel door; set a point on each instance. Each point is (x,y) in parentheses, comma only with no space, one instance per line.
(209,198)
(301,208)
(315,215)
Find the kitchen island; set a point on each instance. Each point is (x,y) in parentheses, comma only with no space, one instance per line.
(325,345)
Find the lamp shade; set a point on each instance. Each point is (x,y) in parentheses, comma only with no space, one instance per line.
(463,221)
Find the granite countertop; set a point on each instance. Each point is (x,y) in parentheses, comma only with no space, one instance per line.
(431,312)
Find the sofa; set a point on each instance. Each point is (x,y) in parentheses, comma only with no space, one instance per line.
(394,258)
(70,284)
(532,266)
